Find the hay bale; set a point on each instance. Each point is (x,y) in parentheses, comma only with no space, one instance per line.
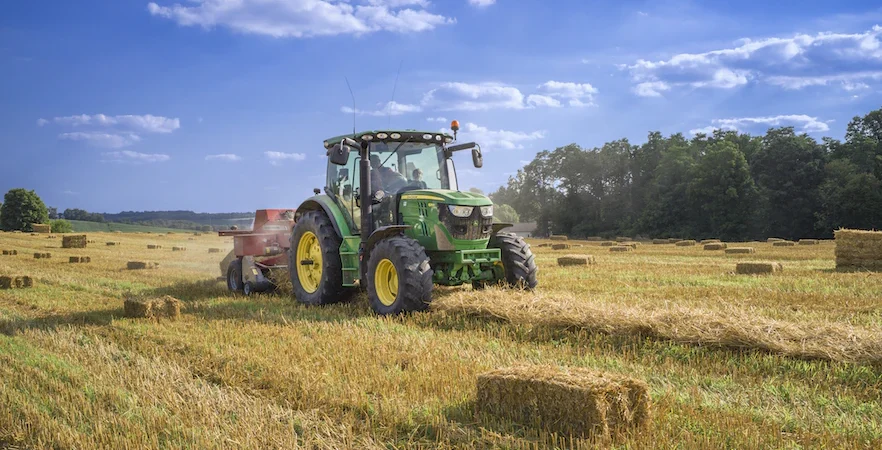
(111,244)
(138,265)
(621,248)
(575,260)
(80,259)
(715,246)
(771,240)
(783,244)
(758,267)
(560,246)
(608,243)
(217,250)
(76,241)
(138,307)
(42,255)
(740,250)
(568,401)
(632,244)
(7,282)
(179,249)
(808,242)
(558,237)
(10,252)
(685,243)
(153,247)
(27,281)
(43,228)
(858,249)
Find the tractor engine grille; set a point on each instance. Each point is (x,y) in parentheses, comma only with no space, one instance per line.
(467,228)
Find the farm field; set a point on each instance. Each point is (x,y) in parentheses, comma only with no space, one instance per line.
(82,226)
(787,360)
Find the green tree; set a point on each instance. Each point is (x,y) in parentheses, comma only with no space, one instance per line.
(505,213)
(20,209)
(851,197)
(723,191)
(788,170)
(61,226)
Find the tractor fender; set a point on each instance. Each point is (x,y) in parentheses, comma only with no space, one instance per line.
(382,233)
(326,204)
(497,227)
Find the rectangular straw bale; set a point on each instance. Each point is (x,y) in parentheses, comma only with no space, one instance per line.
(757,267)
(858,249)
(217,250)
(560,246)
(608,243)
(558,237)
(74,259)
(27,281)
(43,228)
(80,259)
(783,244)
(138,307)
(179,249)
(715,246)
(42,255)
(575,260)
(111,244)
(674,240)
(76,241)
(5,282)
(153,247)
(771,240)
(623,239)
(10,252)
(685,243)
(740,250)
(631,244)
(808,242)
(567,401)
(137,265)
(621,248)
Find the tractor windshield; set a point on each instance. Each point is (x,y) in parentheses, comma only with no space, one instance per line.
(397,166)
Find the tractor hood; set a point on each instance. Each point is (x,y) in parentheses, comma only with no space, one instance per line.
(448,197)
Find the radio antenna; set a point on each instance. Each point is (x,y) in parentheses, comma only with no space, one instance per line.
(353,103)
(394,86)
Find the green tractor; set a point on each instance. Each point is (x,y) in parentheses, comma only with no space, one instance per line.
(383,226)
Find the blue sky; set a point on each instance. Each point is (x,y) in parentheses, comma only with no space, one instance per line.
(222,105)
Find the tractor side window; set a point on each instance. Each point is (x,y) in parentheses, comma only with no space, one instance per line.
(343,182)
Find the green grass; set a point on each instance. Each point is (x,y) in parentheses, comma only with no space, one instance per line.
(266,372)
(80,226)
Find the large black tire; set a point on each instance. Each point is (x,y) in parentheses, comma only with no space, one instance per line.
(234,276)
(517,260)
(414,276)
(330,288)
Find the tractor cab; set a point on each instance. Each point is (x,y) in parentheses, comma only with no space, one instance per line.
(393,220)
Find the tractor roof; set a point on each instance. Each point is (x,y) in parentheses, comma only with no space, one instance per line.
(414,135)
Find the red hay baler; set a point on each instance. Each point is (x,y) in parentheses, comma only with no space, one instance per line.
(257,251)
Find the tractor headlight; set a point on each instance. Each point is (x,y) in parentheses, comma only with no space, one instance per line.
(461,211)
(487,211)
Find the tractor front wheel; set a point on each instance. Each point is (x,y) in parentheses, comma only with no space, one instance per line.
(314,263)
(518,262)
(399,278)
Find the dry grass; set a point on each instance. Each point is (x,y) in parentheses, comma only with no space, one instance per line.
(558,237)
(808,242)
(265,372)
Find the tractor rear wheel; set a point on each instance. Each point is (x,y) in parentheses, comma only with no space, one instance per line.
(399,278)
(314,263)
(234,275)
(518,261)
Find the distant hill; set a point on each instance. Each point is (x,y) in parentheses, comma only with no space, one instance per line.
(81,226)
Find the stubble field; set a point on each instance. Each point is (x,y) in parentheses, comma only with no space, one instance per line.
(789,360)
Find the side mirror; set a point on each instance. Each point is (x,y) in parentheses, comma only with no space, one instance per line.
(477,157)
(339,154)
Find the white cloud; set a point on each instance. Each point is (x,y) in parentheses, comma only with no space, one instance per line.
(651,88)
(391,108)
(277,158)
(795,62)
(436,119)
(127,156)
(304,18)
(802,122)
(496,139)
(105,140)
(481,3)
(543,100)
(41,122)
(473,97)
(136,123)
(70,192)
(223,157)
(577,94)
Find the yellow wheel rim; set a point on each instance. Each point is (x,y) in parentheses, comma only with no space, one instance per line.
(309,262)
(386,282)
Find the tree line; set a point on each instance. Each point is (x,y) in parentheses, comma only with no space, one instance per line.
(727,185)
